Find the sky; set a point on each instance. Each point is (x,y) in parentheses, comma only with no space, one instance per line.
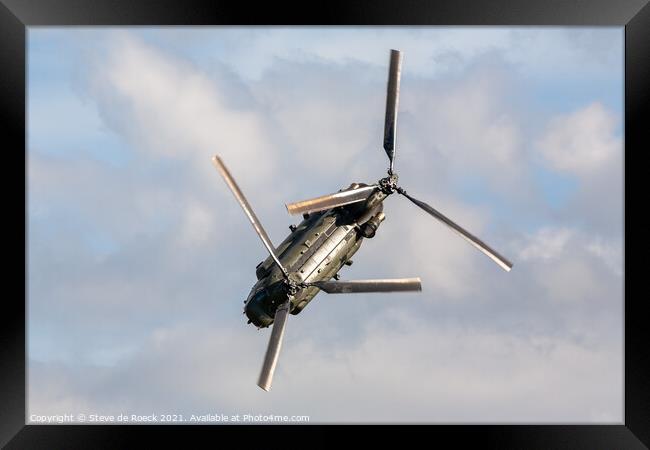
(139,259)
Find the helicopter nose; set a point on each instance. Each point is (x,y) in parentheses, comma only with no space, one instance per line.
(257,315)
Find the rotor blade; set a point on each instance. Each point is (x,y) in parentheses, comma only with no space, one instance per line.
(358,286)
(331,200)
(275,344)
(392,102)
(476,242)
(230,181)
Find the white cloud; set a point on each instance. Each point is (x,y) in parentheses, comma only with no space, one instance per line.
(412,243)
(170,109)
(572,266)
(404,371)
(467,128)
(583,141)
(575,54)
(547,243)
(586,145)
(198,225)
(610,252)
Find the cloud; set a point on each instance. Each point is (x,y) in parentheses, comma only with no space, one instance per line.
(199,224)
(580,54)
(468,122)
(610,252)
(446,376)
(547,244)
(586,144)
(167,108)
(583,141)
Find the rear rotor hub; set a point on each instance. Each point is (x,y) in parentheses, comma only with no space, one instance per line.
(388,185)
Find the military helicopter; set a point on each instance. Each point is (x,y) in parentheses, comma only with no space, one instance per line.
(331,232)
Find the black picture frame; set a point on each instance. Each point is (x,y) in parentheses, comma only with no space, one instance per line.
(634,15)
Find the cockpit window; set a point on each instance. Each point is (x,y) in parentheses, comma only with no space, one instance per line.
(260,296)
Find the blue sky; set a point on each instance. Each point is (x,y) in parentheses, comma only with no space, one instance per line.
(139,259)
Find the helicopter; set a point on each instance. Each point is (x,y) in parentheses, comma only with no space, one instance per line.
(332,230)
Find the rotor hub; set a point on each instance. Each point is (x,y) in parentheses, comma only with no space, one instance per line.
(293,284)
(388,185)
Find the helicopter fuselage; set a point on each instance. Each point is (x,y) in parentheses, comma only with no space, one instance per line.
(317,248)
